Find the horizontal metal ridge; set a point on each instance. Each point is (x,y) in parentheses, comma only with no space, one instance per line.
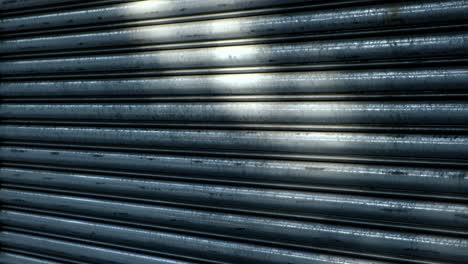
(425,213)
(35,255)
(399,47)
(408,14)
(405,161)
(32,8)
(134,10)
(168,244)
(415,97)
(117,247)
(314,143)
(337,66)
(234,132)
(300,173)
(447,248)
(78,251)
(9,257)
(435,79)
(432,45)
(402,129)
(426,113)
(225,236)
(326,236)
(235,42)
(414,193)
(26,205)
(137,14)
(151,22)
(8,5)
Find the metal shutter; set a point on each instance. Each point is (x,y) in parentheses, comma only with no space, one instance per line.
(234,131)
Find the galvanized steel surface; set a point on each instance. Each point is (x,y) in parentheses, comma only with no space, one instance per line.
(436,80)
(326,51)
(324,113)
(8,5)
(136,10)
(270,229)
(427,146)
(251,27)
(234,131)
(260,171)
(14,258)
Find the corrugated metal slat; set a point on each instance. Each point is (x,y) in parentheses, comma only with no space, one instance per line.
(234,131)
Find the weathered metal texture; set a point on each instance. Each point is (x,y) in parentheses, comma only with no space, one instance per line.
(314,143)
(288,202)
(325,113)
(234,131)
(253,27)
(437,80)
(136,10)
(79,251)
(305,174)
(7,5)
(174,244)
(14,258)
(219,250)
(399,47)
(257,228)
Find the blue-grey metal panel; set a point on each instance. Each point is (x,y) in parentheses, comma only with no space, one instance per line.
(252,27)
(234,131)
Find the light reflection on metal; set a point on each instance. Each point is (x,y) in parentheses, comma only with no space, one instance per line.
(234,131)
